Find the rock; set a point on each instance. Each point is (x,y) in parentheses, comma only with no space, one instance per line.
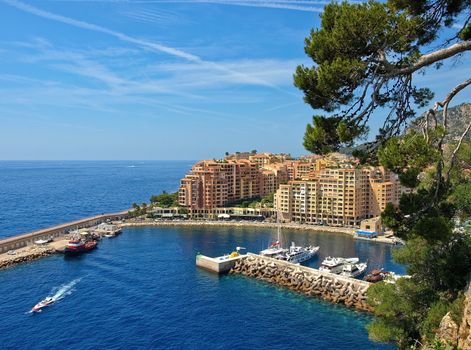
(448,330)
(464,341)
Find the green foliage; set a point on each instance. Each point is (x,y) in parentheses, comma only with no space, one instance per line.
(328,134)
(364,56)
(138,210)
(267,201)
(408,156)
(457,309)
(466,33)
(432,320)
(165,200)
(396,310)
(444,268)
(245,203)
(461,198)
(254,202)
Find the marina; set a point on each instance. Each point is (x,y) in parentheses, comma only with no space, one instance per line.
(149,274)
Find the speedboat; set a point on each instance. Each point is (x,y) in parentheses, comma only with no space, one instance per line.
(335,265)
(42,304)
(353,270)
(299,254)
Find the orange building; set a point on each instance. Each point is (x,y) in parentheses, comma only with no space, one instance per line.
(331,190)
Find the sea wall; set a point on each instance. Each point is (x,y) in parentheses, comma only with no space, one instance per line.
(312,282)
(23,240)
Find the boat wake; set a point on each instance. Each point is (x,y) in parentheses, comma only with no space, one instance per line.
(58,293)
(66,289)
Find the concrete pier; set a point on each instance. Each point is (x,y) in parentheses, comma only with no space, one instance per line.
(220,264)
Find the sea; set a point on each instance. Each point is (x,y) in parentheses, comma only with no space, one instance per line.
(141,289)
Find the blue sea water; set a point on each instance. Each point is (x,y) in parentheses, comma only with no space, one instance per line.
(37,194)
(141,290)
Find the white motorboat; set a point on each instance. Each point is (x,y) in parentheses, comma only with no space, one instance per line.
(335,265)
(299,254)
(353,270)
(42,304)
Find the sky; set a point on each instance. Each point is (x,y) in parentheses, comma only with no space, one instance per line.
(158,79)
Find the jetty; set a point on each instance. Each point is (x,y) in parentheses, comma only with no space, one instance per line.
(23,247)
(309,281)
(220,264)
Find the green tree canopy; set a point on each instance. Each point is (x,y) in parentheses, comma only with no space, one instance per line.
(365,58)
(165,199)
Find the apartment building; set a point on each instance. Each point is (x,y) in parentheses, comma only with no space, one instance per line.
(338,196)
(216,183)
(331,190)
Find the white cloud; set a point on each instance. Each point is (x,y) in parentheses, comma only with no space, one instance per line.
(296,5)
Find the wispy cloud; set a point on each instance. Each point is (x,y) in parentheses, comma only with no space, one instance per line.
(89,26)
(296,5)
(103,83)
(152,16)
(141,42)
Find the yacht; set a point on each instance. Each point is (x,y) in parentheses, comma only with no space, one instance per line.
(353,270)
(298,254)
(335,265)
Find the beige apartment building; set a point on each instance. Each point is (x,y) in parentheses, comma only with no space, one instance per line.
(338,196)
(331,190)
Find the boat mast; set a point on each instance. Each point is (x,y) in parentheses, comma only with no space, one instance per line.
(278,228)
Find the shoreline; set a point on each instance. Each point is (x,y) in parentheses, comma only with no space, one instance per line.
(30,251)
(214,223)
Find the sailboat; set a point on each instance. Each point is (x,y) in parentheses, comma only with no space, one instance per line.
(295,254)
(275,250)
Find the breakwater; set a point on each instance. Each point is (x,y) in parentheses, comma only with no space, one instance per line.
(23,240)
(311,282)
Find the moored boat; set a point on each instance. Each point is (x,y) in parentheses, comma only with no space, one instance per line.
(335,265)
(297,254)
(42,304)
(78,246)
(353,270)
(376,275)
(274,250)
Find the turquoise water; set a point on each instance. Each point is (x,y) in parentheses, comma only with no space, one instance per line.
(141,290)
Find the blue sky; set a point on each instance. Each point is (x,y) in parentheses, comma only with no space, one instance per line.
(116,79)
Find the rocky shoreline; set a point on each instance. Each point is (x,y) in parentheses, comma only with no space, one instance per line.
(335,289)
(25,255)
